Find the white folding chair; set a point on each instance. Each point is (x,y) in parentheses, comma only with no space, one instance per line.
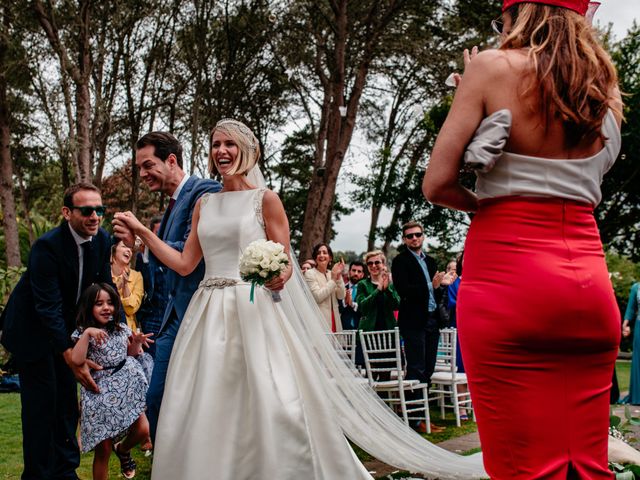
(345,344)
(446,378)
(383,363)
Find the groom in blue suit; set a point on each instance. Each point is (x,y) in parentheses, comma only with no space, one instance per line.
(159,158)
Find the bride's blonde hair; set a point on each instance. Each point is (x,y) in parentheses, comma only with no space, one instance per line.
(573,74)
(248,146)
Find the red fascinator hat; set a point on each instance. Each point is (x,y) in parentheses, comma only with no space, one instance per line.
(580,6)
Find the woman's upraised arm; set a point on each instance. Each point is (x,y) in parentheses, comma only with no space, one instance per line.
(441,184)
(183,262)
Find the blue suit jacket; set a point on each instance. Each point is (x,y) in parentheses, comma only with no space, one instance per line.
(41,312)
(175,229)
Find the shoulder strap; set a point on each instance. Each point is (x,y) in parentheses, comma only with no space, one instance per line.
(257,205)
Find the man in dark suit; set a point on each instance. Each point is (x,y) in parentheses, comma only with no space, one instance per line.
(154,304)
(37,325)
(349,315)
(159,158)
(417,281)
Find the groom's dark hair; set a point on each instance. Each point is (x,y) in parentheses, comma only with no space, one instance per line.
(164,144)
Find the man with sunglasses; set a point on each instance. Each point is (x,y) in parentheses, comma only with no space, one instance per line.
(417,281)
(37,324)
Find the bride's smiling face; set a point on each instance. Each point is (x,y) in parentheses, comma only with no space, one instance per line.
(224,151)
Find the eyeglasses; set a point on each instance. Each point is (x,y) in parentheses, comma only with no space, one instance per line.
(497,26)
(374,262)
(88,211)
(409,236)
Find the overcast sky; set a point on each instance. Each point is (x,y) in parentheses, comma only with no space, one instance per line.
(352,229)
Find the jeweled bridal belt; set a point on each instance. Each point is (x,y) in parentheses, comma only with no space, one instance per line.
(220,282)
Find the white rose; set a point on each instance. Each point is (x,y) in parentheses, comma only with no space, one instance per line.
(263,274)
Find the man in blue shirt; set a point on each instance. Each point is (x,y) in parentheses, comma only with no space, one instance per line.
(418,281)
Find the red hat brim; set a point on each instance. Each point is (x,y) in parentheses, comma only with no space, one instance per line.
(579,6)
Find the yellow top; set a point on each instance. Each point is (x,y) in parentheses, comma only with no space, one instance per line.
(131,304)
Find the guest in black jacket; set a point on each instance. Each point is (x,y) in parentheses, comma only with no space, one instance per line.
(418,281)
(37,325)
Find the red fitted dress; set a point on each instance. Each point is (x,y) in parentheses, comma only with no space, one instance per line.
(538,322)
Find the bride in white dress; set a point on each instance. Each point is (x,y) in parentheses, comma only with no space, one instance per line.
(255,390)
(241,399)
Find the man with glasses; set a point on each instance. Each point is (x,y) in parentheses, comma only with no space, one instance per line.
(36,328)
(418,282)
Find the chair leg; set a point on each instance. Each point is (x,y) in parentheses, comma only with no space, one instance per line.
(403,406)
(456,405)
(427,414)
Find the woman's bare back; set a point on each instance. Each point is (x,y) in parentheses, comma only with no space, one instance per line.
(529,134)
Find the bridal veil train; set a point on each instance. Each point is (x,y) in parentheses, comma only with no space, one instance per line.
(364,418)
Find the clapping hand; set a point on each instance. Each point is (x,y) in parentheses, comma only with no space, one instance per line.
(337,269)
(449,278)
(348,300)
(383,283)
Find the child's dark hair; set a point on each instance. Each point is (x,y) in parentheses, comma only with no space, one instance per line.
(85,318)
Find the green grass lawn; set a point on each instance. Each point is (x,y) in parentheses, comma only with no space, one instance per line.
(623,370)
(11,450)
(11,442)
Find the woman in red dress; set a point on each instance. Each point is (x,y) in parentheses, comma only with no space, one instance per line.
(538,322)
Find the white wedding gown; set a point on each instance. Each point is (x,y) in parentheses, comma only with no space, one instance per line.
(242,399)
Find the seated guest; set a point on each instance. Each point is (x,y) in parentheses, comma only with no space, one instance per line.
(127,281)
(349,314)
(377,298)
(326,285)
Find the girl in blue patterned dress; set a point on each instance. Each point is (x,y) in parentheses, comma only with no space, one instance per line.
(120,403)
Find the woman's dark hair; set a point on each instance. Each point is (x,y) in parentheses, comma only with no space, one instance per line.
(85,318)
(316,250)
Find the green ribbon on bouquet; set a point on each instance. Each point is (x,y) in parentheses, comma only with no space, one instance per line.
(253,288)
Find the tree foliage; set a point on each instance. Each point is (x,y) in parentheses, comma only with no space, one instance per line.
(85,79)
(619,213)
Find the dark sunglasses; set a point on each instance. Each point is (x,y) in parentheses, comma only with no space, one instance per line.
(409,236)
(87,211)
(374,262)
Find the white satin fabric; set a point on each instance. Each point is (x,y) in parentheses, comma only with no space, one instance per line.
(242,400)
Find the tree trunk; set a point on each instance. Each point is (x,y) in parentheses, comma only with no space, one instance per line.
(7,201)
(335,128)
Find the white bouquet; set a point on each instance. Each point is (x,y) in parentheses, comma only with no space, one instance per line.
(262,261)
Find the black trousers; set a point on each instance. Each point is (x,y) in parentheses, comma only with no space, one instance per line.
(421,350)
(48,393)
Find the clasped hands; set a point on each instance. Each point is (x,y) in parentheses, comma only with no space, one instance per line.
(126,227)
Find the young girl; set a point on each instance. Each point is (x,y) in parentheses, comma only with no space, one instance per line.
(120,403)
